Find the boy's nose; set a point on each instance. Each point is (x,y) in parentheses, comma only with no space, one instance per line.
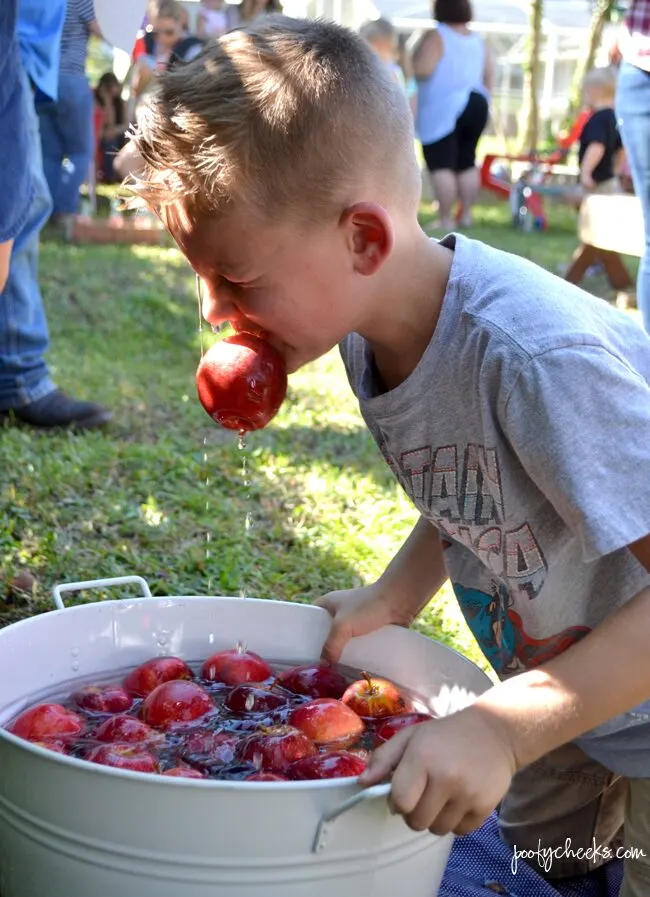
(215,307)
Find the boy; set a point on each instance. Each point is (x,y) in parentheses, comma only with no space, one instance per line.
(599,156)
(513,408)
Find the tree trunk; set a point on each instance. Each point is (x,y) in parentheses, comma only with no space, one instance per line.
(529,128)
(601,14)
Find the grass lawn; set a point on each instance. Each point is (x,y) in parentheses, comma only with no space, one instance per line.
(161,493)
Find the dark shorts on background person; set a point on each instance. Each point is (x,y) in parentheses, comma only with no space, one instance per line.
(457,151)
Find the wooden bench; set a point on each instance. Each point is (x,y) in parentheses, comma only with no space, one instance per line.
(613,222)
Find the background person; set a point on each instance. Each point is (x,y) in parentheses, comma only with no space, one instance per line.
(633,113)
(454,72)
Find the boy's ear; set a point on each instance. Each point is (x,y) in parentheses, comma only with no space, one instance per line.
(370,235)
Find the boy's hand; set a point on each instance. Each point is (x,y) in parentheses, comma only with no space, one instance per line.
(356,612)
(587,181)
(448,775)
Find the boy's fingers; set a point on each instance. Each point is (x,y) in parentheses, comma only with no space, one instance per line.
(335,643)
(384,760)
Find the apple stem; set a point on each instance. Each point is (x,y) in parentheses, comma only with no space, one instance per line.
(371,685)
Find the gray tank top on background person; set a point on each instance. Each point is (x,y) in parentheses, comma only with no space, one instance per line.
(444,95)
(523,435)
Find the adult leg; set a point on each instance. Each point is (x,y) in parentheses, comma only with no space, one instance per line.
(75,119)
(51,149)
(24,376)
(470,127)
(26,388)
(565,803)
(440,160)
(633,113)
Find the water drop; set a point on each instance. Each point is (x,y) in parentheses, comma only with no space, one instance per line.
(74,652)
(241,440)
(75,666)
(208,537)
(248,523)
(240,647)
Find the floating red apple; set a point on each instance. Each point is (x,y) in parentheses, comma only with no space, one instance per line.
(141,681)
(334,765)
(102,699)
(375,698)
(48,722)
(124,756)
(183,772)
(314,681)
(127,730)
(57,746)
(265,777)
(177,702)
(206,749)
(275,748)
(327,721)
(253,699)
(236,667)
(386,730)
(241,382)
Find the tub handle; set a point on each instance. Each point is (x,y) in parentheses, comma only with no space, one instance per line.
(98,584)
(327,819)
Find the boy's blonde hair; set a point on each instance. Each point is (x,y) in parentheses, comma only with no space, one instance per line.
(284,116)
(602,78)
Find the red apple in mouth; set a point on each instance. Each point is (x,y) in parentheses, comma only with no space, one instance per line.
(124,756)
(175,703)
(314,681)
(327,721)
(242,381)
(236,667)
(334,765)
(141,681)
(48,722)
(102,699)
(275,748)
(375,698)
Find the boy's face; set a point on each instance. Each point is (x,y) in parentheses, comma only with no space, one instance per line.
(297,285)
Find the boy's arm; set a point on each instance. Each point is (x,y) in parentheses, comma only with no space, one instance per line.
(591,158)
(409,582)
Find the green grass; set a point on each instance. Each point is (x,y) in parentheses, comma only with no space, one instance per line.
(326,512)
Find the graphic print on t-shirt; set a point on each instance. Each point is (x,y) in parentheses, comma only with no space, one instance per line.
(460,491)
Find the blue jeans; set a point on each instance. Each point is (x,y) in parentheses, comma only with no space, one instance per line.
(633,114)
(67,141)
(24,376)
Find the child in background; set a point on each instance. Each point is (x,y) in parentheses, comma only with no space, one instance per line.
(512,407)
(381,36)
(600,157)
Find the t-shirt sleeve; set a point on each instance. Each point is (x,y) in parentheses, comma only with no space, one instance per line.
(579,421)
(87,10)
(595,131)
(16,186)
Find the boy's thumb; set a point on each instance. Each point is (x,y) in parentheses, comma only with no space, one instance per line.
(382,762)
(334,644)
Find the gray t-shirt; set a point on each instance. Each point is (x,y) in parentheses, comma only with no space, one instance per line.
(523,435)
